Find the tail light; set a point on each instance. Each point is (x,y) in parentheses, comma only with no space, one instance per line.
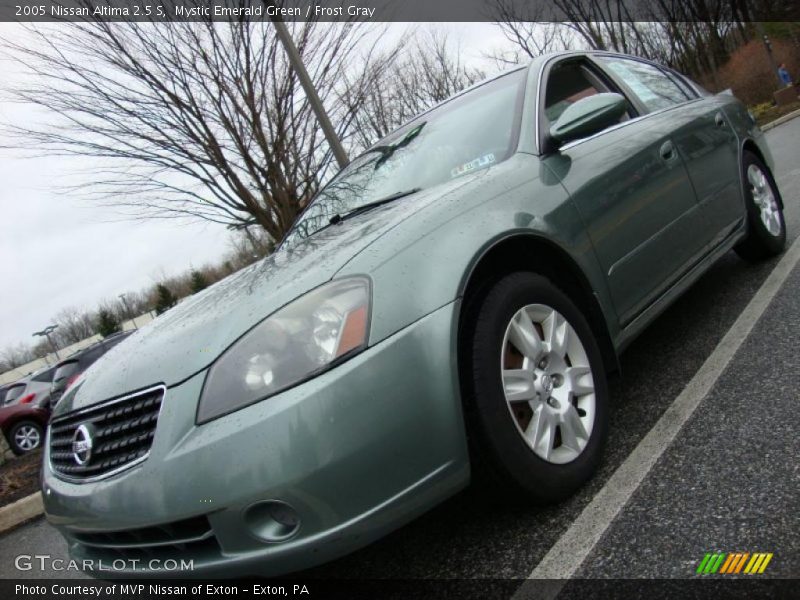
(27,399)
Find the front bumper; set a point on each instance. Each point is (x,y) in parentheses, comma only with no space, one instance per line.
(355,452)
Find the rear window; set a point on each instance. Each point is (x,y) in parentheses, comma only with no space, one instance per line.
(113,342)
(65,370)
(91,357)
(45,376)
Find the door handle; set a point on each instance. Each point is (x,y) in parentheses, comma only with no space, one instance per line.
(719,120)
(667,151)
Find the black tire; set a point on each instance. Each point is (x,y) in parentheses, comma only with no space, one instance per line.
(760,243)
(12,436)
(503,464)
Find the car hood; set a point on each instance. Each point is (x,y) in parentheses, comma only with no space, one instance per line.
(190,336)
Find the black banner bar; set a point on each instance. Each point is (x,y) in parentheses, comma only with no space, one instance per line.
(395,10)
(706,588)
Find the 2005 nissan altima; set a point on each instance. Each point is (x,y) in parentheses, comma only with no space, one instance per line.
(456,296)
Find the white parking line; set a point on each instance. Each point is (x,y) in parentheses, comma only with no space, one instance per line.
(569,552)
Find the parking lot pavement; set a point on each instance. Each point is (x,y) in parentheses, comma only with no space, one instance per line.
(730,481)
(726,483)
(35,538)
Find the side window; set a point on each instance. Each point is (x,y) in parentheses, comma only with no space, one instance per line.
(682,83)
(567,83)
(650,84)
(695,89)
(13,393)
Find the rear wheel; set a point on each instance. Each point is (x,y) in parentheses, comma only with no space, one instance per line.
(536,394)
(766,227)
(24,437)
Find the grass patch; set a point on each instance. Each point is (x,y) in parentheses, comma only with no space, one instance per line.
(767,112)
(19,477)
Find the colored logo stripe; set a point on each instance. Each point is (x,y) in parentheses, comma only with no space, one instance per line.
(758,563)
(735,562)
(732,563)
(710,563)
(732,558)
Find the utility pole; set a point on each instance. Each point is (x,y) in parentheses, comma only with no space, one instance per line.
(308,86)
(128,310)
(46,333)
(768,47)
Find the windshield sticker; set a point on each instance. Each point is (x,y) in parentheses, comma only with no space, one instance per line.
(473,165)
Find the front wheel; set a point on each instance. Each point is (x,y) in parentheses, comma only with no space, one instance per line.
(536,393)
(24,437)
(766,227)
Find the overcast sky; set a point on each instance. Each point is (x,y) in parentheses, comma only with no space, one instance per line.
(59,251)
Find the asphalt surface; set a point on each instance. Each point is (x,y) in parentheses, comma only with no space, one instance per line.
(728,482)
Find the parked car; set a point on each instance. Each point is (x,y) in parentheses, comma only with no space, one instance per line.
(37,387)
(10,393)
(453,298)
(23,426)
(69,369)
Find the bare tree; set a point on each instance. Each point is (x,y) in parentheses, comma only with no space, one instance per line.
(695,36)
(135,304)
(190,119)
(74,325)
(427,69)
(16,356)
(527,28)
(247,246)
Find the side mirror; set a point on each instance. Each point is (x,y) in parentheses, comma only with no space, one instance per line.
(588,116)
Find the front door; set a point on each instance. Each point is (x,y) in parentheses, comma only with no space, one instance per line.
(631,188)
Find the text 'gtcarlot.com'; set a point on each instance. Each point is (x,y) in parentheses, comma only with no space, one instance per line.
(44,562)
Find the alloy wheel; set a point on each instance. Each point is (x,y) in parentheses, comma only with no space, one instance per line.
(764,198)
(548,383)
(27,438)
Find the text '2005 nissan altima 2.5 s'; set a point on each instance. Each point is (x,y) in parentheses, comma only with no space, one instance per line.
(453,298)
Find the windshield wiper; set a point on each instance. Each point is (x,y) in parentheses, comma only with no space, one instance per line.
(370,205)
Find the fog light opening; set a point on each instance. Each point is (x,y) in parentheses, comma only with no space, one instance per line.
(272,520)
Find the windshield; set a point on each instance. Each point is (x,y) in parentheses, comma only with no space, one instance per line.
(471,132)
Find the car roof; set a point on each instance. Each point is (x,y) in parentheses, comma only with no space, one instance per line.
(12,384)
(78,354)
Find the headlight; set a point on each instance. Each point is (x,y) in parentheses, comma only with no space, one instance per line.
(302,339)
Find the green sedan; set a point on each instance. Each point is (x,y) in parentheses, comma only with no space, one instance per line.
(447,308)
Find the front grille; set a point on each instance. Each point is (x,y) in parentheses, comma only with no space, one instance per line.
(121,433)
(188,538)
(177,533)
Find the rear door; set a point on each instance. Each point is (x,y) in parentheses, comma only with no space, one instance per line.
(630,186)
(702,135)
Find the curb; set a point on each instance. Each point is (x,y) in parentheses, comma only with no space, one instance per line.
(780,120)
(20,511)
